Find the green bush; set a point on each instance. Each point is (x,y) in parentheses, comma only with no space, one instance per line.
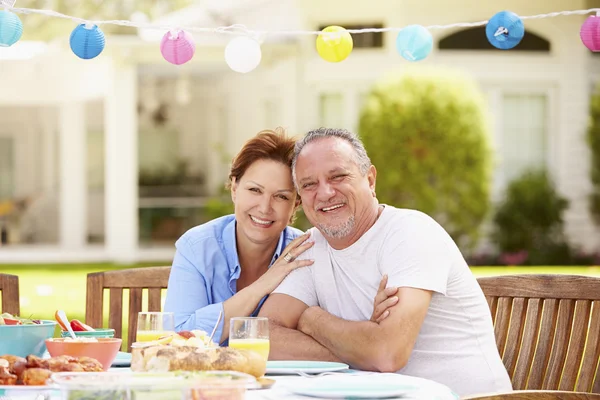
(530,221)
(427,133)
(593,139)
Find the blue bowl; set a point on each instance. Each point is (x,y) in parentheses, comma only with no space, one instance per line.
(23,340)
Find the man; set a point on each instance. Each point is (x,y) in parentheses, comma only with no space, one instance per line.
(440,327)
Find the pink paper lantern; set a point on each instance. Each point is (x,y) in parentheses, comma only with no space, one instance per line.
(590,33)
(177,47)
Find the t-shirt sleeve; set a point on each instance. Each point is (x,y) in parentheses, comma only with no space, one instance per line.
(417,253)
(300,284)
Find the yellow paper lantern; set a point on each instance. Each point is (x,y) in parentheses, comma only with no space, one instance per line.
(336,45)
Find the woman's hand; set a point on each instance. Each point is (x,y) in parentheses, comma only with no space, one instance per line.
(285,264)
(384,300)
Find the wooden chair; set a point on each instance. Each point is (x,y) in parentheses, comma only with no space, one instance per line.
(135,279)
(537,395)
(9,286)
(547,330)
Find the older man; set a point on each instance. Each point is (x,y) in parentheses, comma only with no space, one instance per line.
(440,328)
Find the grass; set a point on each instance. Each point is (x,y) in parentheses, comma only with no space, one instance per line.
(47,288)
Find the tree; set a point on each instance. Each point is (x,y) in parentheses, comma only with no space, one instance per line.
(42,27)
(593,139)
(426,132)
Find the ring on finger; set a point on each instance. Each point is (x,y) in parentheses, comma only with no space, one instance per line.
(288,257)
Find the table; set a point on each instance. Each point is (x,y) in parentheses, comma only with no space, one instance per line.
(281,390)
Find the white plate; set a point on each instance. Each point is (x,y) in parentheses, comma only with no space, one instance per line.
(373,386)
(308,367)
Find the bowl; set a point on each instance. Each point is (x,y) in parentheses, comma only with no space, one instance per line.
(23,340)
(97,333)
(104,349)
(183,385)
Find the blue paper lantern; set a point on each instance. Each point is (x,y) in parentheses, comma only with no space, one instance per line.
(87,41)
(505,30)
(414,42)
(11,28)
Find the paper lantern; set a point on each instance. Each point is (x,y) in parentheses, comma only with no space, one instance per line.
(505,30)
(87,41)
(177,47)
(590,33)
(11,28)
(414,42)
(243,54)
(336,45)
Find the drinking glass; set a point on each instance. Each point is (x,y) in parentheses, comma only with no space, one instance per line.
(250,333)
(154,325)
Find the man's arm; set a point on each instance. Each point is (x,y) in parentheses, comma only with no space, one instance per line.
(286,342)
(384,347)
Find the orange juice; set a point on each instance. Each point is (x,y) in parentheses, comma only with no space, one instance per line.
(148,336)
(260,346)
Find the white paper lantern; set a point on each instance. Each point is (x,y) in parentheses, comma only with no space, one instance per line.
(243,54)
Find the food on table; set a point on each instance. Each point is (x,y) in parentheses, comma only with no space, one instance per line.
(76,325)
(79,339)
(183,352)
(9,319)
(36,376)
(35,370)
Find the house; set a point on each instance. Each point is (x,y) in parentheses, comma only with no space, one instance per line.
(77,135)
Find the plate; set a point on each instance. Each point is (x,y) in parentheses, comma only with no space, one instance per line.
(354,390)
(372,386)
(308,367)
(122,360)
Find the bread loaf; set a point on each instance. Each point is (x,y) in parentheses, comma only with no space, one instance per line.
(164,358)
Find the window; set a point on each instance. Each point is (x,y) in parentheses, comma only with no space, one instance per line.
(363,40)
(331,110)
(524,134)
(7,168)
(475,39)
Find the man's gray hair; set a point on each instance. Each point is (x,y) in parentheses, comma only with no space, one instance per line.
(361,158)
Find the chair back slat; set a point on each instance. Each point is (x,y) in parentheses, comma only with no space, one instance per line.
(528,342)
(544,344)
(560,345)
(135,280)
(576,345)
(115,316)
(502,322)
(493,304)
(537,395)
(9,286)
(135,306)
(590,366)
(547,330)
(515,334)
(154,299)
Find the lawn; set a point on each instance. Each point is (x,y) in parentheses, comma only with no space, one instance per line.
(47,288)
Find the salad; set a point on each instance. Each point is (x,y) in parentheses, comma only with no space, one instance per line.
(9,319)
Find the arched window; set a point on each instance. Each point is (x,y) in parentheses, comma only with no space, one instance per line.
(475,39)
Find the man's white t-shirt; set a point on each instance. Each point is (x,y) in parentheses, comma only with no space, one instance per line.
(456,344)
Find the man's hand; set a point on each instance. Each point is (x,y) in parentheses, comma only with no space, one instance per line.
(384,300)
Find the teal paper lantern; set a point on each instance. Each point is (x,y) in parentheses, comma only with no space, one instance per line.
(505,30)
(11,28)
(414,42)
(87,41)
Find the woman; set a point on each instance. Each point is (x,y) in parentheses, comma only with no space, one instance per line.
(229,265)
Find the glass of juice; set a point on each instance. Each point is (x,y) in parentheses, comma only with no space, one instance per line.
(154,325)
(250,333)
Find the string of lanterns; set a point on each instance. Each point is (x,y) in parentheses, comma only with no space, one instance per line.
(504,31)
